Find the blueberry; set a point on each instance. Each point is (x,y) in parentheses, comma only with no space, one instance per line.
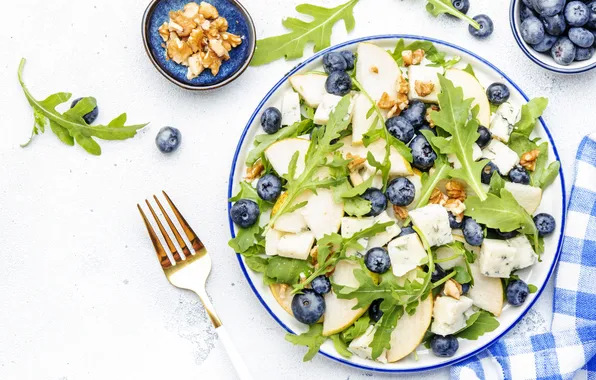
(444,346)
(473,232)
(465,288)
(374,311)
(487,173)
(245,213)
(519,174)
(577,13)
(532,30)
(269,187)
(485,137)
(321,284)
(486,27)
(400,128)
(377,200)
(545,224)
(526,11)
(271,120)
(592,17)
(546,44)
(461,5)
(338,83)
(554,25)
(334,62)
(168,139)
(581,37)
(563,51)
(308,307)
(377,260)
(423,154)
(401,191)
(503,235)
(349,57)
(453,223)
(426,127)
(548,7)
(88,117)
(437,274)
(517,292)
(529,3)
(406,231)
(583,54)
(416,113)
(497,93)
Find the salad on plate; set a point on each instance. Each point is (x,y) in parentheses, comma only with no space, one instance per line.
(390,200)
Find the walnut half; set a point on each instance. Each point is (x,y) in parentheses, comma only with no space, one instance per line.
(424,88)
(528,159)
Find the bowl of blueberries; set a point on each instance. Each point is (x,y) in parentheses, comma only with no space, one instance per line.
(558,35)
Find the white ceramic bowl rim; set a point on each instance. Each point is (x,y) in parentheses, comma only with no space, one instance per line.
(314,58)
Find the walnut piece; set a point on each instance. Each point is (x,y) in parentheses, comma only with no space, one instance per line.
(181,24)
(195,66)
(195,40)
(528,159)
(374,69)
(457,208)
(208,11)
(220,24)
(179,51)
(437,197)
(191,10)
(254,171)
(393,111)
(402,102)
(453,289)
(424,88)
(417,56)
(164,31)
(232,39)
(314,256)
(403,87)
(211,61)
(218,49)
(429,120)
(456,190)
(401,212)
(407,57)
(356,162)
(386,103)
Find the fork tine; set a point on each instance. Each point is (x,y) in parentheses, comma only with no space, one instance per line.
(164,260)
(171,246)
(197,245)
(181,241)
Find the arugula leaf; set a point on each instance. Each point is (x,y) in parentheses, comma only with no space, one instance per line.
(470,70)
(70,126)
(313,339)
(264,141)
(496,184)
(550,174)
(430,51)
(248,192)
(436,7)
(382,338)
(453,118)
(542,176)
(357,206)
(257,263)
(530,113)
(283,270)
(477,325)
(341,346)
(462,275)
(358,190)
(532,288)
(318,31)
(357,329)
(246,241)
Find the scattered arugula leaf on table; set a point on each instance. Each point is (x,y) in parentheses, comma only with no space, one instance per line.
(313,339)
(437,7)
(70,127)
(478,324)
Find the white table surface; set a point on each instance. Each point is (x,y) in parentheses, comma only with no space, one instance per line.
(81,293)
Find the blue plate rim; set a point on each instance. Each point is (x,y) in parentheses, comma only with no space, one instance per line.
(385,37)
(253,45)
(544,65)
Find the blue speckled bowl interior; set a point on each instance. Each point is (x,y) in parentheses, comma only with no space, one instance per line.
(238,22)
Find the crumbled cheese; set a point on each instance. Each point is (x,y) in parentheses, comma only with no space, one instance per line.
(406,253)
(501,155)
(497,258)
(450,315)
(433,221)
(361,345)
(290,108)
(524,253)
(379,240)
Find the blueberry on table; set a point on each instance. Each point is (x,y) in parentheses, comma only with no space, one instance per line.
(526,11)
(168,139)
(461,5)
(546,44)
(406,231)
(548,7)
(532,30)
(269,187)
(583,54)
(245,213)
(497,93)
(485,137)
(453,223)
(400,128)
(487,173)
(519,174)
(271,120)
(377,200)
(321,284)
(349,57)
(338,83)
(422,152)
(377,260)
(517,292)
(415,113)
(374,311)
(486,27)
(473,232)
(88,117)
(308,307)
(401,191)
(581,37)
(563,51)
(503,235)
(334,62)
(437,274)
(545,223)
(554,25)
(465,288)
(577,13)
(444,346)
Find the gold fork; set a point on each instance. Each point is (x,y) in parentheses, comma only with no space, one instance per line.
(190,271)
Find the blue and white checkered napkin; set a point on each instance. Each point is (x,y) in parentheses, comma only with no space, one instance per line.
(569,351)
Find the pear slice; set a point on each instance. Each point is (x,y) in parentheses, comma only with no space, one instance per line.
(360,122)
(416,179)
(322,215)
(472,89)
(410,330)
(487,292)
(529,197)
(311,87)
(280,154)
(338,312)
(399,165)
(377,71)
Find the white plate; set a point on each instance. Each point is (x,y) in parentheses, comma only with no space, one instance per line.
(553,202)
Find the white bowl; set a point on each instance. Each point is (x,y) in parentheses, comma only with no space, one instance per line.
(543,59)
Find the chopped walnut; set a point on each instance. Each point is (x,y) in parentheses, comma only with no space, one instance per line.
(417,56)
(528,159)
(400,211)
(232,39)
(453,289)
(208,10)
(195,40)
(191,10)
(218,49)
(386,103)
(211,61)
(374,69)
(393,111)
(195,66)
(456,190)
(407,57)
(457,208)
(424,88)
(429,120)
(403,87)
(314,255)
(220,24)
(356,162)
(164,31)
(179,51)
(178,20)
(254,171)
(402,102)
(437,197)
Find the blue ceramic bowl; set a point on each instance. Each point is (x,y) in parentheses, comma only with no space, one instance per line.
(240,23)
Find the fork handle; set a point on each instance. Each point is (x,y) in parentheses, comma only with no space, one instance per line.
(233,353)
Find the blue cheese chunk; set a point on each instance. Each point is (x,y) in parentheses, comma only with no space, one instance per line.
(433,221)
(361,345)
(406,253)
(450,315)
(290,108)
(524,253)
(497,258)
(350,226)
(446,253)
(327,106)
(296,246)
(501,155)
(503,121)
(380,239)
